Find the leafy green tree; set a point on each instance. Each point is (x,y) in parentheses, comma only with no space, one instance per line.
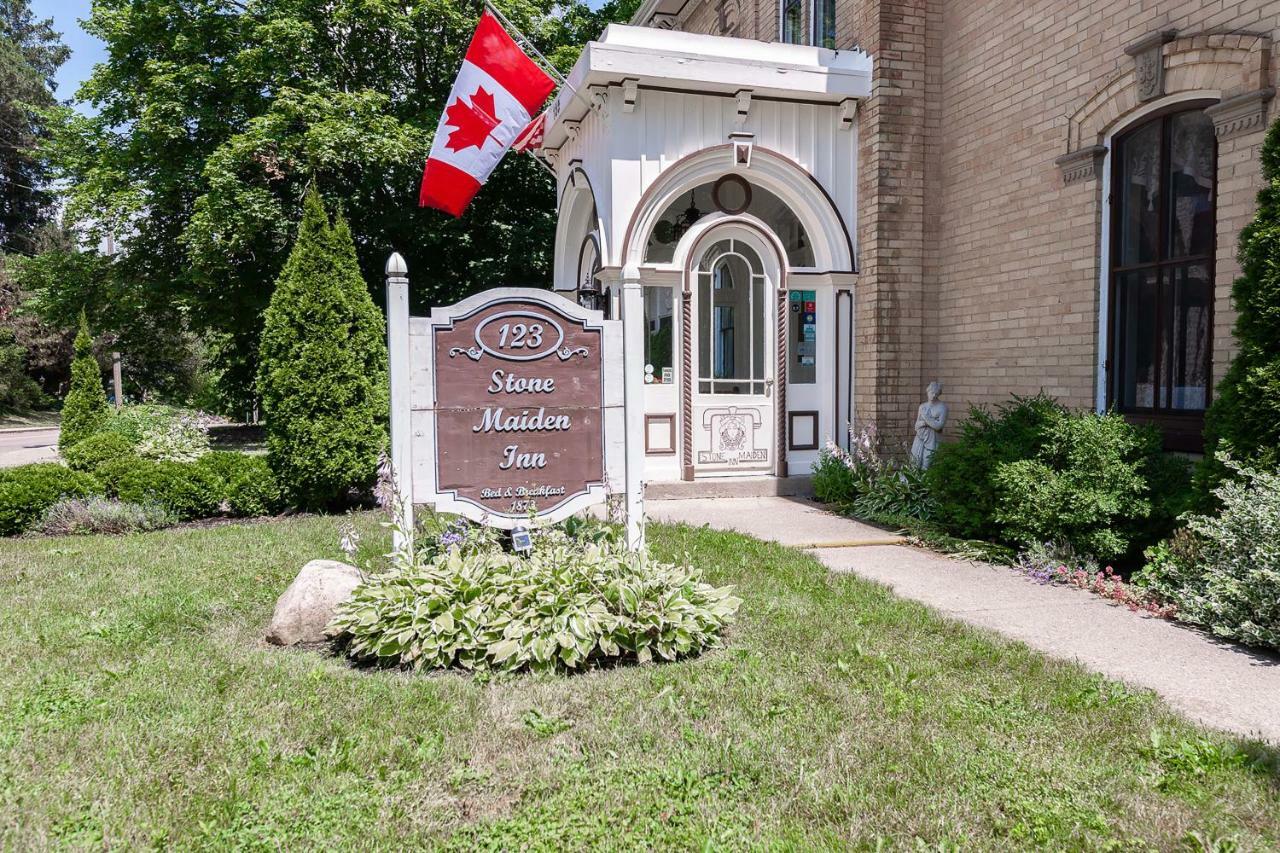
(85,410)
(1244,417)
(45,349)
(30,54)
(215,115)
(323,374)
(159,355)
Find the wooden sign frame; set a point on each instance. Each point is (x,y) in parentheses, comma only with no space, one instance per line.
(448,343)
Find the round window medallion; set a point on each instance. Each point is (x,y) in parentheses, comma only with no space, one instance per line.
(731,194)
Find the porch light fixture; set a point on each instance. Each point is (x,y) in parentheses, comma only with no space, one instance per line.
(589,294)
(685,220)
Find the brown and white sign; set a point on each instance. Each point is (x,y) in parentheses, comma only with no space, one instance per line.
(513,407)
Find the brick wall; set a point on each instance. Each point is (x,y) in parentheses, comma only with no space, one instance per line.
(890,300)
(1014,295)
(980,263)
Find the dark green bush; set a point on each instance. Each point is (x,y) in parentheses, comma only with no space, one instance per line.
(961,478)
(1032,472)
(89,453)
(1083,488)
(84,411)
(28,490)
(1244,418)
(248,485)
(186,489)
(323,372)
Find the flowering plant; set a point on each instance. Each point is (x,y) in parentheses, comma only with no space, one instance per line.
(866,482)
(1049,564)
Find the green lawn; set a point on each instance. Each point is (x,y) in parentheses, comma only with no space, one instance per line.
(139,707)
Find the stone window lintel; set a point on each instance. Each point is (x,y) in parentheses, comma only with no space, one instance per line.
(1241,114)
(1082,164)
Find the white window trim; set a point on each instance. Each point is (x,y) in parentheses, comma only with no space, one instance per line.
(1104,250)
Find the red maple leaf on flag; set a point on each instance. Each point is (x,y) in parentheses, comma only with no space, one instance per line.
(473,122)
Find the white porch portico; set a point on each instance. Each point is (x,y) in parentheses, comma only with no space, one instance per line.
(721,174)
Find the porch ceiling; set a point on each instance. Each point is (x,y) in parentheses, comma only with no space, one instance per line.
(704,64)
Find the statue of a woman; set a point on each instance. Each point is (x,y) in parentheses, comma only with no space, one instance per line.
(931,417)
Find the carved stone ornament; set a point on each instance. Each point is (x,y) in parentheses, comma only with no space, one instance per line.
(1148,63)
(1241,114)
(1081,165)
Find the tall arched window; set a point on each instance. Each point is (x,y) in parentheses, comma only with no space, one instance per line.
(1162,244)
(732,320)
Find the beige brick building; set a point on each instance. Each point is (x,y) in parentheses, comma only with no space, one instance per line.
(1049,194)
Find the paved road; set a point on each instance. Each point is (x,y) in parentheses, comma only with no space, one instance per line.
(1220,684)
(18,447)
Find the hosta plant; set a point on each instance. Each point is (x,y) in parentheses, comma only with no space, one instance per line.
(567,605)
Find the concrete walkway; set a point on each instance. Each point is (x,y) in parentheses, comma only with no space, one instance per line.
(1219,684)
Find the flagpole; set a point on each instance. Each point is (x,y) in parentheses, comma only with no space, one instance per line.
(548,67)
(514,30)
(520,36)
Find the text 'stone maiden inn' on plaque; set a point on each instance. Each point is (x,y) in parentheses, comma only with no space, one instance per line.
(517,380)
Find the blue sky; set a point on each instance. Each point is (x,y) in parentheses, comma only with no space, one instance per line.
(85,49)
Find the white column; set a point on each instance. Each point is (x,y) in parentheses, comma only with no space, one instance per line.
(633,393)
(398,369)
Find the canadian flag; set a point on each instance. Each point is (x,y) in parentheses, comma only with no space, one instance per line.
(492,102)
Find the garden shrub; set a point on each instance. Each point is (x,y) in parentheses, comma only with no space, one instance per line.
(1244,417)
(248,485)
(1083,487)
(1224,571)
(186,489)
(85,410)
(323,367)
(102,515)
(568,604)
(90,453)
(834,482)
(1032,472)
(166,433)
(961,477)
(28,490)
(868,484)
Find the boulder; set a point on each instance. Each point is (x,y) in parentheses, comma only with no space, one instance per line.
(310,602)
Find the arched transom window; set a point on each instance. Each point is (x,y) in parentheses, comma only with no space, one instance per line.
(729,194)
(1162,247)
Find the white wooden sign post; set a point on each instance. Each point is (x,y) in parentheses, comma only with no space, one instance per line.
(511,405)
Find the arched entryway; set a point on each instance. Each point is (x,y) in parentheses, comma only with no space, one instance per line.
(733,389)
